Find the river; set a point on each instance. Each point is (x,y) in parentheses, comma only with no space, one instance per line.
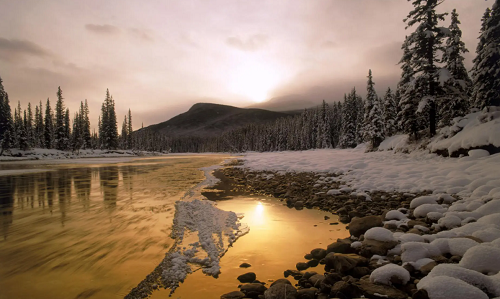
(96,228)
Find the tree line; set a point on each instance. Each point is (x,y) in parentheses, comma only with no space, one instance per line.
(434,88)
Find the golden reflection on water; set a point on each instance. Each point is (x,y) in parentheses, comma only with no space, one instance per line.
(89,231)
(279,237)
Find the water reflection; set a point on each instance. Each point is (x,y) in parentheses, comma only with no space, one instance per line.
(79,230)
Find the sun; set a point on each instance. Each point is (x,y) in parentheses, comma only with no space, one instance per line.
(253,80)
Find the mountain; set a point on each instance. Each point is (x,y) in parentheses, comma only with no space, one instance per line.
(287,103)
(205,119)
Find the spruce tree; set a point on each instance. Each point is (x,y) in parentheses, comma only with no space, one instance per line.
(28,124)
(39,126)
(6,125)
(373,122)
(349,119)
(84,114)
(67,129)
(486,71)
(48,131)
(129,130)
(390,113)
(425,45)
(60,130)
(457,87)
(124,135)
(108,130)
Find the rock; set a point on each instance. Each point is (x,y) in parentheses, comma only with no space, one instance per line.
(328,282)
(233,295)
(313,263)
(426,269)
(420,294)
(412,223)
(344,219)
(343,289)
(390,226)
(326,217)
(253,290)
(301,266)
(359,272)
(341,246)
(245,265)
(370,289)
(316,280)
(294,273)
(281,280)
(318,253)
(371,247)
(308,256)
(299,205)
(247,277)
(343,263)
(359,226)
(281,291)
(309,293)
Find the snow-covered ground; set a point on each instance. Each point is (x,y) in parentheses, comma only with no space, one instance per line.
(469,227)
(44,154)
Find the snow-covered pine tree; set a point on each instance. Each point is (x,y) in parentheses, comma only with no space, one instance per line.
(390,113)
(408,103)
(454,77)
(370,97)
(129,131)
(349,117)
(48,131)
(77,136)
(373,123)
(67,129)
(486,71)
(112,126)
(6,124)
(28,125)
(60,130)
(87,138)
(359,105)
(39,141)
(324,133)
(124,135)
(425,45)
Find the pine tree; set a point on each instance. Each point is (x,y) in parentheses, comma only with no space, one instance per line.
(108,130)
(6,125)
(48,131)
(84,114)
(28,124)
(124,136)
(373,123)
(408,103)
(425,45)
(39,126)
(60,130)
(67,129)
(113,128)
(486,71)
(457,87)
(129,131)
(77,136)
(349,117)
(390,113)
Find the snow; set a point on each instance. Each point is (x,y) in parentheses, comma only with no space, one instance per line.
(394,143)
(388,171)
(488,284)
(418,201)
(482,258)
(395,215)
(214,230)
(445,287)
(333,192)
(450,221)
(414,251)
(424,209)
(379,234)
(473,130)
(478,153)
(389,272)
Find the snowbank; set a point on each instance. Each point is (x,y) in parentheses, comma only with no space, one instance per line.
(471,131)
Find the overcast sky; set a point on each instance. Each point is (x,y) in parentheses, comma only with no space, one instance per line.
(159,57)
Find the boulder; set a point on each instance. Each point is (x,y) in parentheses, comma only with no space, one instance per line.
(359,226)
(245,265)
(253,290)
(316,280)
(301,266)
(370,289)
(341,246)
(343,289)
(281,281)
(247,277)
(299,205)
(372,247)
(233,295)
(318,253)
(309,293)
(343,263)
(313,263)
(281,291)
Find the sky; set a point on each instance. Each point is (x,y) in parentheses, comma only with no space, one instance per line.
(159,57)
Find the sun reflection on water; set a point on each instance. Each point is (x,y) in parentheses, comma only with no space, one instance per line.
(259,215)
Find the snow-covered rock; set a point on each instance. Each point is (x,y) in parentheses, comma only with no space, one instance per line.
(482,258)
(379,234)
(389,274)
(445,287)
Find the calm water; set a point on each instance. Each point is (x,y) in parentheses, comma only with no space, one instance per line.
(89,231)
(96,230)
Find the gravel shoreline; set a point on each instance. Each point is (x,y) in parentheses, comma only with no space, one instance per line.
(348,262)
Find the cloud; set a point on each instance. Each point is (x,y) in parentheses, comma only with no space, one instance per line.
(253,43)
(329,44)
(103,29)
(14,50)
(141,34)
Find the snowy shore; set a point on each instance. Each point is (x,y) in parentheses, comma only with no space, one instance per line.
(440,240)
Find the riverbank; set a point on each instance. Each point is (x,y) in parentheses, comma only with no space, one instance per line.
(17,155)
(420,244)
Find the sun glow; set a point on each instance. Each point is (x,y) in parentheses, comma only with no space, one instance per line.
(253,80)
